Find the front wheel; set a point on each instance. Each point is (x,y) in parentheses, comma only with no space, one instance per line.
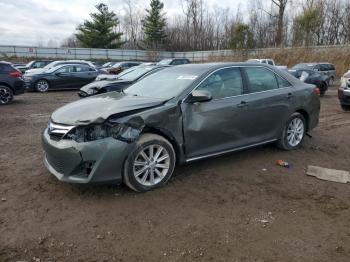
(150,164)
(293,132)
(42,86)
(6,95)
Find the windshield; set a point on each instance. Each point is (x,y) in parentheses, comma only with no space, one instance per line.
(164,62)
(167,84)
(29,64)
(134,73)
(301,66)
(48,66)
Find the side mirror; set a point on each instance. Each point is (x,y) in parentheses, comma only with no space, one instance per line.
(200,96)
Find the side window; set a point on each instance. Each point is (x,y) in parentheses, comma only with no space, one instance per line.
(260,79)
(269,62)
(282,82)
(331,67)
(317,68)
(81,68)
(65,69)
(185,61)
(176,62)
(223,83)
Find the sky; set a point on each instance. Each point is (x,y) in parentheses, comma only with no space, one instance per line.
(48,22)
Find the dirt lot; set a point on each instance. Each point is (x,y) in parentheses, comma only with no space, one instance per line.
(221,209)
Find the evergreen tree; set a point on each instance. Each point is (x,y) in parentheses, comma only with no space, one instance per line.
(100,32)
(242,38)
(154,24)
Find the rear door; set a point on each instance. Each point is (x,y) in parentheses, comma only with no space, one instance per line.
(83,75)
(268,105)
(215,126)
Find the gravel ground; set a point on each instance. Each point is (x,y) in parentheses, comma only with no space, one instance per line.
(238,207)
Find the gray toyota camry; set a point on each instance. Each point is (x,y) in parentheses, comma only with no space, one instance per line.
(177,115)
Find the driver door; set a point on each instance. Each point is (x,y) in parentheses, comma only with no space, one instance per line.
(214,126)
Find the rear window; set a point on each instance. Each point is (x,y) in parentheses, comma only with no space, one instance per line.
(5,68)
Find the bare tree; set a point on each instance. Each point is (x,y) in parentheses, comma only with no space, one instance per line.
(281,4)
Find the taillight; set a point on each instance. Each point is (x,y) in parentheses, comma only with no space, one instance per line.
(317,91)
(340,93)
(15,74)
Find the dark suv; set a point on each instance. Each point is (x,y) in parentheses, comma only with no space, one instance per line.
(11,83)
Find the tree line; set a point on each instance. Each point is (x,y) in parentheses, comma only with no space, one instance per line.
(263,23)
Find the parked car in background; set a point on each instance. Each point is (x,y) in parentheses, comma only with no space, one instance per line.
(119,67)
(174,61)
(311,77)
(11,83)
(57,63)
(120,82)
(67,76)
(344,91)
(266,61)
(33,65)
(325,69)
(178,115)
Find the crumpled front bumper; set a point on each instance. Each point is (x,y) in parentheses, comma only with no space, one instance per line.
(99,161)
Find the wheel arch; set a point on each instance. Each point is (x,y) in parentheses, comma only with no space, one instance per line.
(7,85)
(168,136)
(306,115)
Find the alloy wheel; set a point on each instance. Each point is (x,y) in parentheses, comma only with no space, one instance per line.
(295,132)
(42,86)
(151,165)
(5,95)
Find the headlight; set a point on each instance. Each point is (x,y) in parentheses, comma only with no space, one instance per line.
(92,91)
(122,132)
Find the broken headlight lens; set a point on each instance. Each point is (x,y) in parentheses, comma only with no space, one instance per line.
(95,132)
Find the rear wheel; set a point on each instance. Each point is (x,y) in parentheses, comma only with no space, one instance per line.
(42,86)
(293,132)
(6,95)
(150,164)
(323,89)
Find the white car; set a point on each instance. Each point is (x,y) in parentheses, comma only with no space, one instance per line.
(267,61)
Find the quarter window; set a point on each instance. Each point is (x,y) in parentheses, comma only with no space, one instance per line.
(223,83)
(260,79)
(282,82)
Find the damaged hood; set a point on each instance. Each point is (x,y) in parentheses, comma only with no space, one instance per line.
(97,109)
(101,84)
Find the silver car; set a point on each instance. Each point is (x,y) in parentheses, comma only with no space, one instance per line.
(177,115)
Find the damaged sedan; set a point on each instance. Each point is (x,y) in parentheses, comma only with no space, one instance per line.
(178,115)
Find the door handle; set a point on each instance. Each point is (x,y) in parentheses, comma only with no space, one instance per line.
(242,104)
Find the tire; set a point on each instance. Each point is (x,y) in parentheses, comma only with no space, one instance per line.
(138,170)
(295,127)
(323,89)
(6,95)
(345,107)
(42,85)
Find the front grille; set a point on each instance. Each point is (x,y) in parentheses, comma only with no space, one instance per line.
(58,131)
